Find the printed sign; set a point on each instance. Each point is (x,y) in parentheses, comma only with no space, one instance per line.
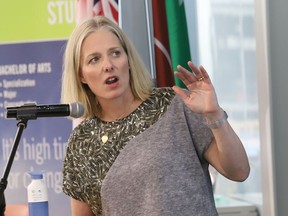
(32,41)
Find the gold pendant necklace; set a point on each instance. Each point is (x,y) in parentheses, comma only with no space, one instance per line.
(104,138)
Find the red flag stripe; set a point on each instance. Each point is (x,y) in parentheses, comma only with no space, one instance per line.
(163,63)
(164,51)
(108,8)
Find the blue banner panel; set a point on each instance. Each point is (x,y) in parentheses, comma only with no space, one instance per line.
(31,73)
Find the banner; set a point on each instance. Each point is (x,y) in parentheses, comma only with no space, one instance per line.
(32,20)
(32,41)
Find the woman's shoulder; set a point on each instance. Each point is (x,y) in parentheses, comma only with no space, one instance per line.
(160,92)
(158,98)
(83,127)
(162,89)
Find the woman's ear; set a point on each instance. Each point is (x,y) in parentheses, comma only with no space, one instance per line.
(82,79)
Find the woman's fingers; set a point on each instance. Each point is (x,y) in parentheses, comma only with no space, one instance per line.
(188,77)
(195,75)
(179,91)
(204,72)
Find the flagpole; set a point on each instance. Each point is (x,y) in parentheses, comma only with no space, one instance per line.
(150,39)
(120,13)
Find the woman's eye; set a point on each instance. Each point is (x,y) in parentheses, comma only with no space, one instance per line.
(94,59)
(116,53)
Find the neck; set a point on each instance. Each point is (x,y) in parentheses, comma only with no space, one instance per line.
(116,110)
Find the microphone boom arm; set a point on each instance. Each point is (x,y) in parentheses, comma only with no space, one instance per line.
(22,124)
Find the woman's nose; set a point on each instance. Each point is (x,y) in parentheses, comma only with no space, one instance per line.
(108,68)
(107,65)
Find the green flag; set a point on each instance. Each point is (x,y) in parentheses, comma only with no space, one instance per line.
(178,35)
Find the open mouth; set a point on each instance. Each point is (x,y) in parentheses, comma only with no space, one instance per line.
(111,80)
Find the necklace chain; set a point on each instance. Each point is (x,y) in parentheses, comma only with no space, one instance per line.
(126,111)
(105,137)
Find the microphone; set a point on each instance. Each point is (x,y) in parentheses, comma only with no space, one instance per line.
(32,111)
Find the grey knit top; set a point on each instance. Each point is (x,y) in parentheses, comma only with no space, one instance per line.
(151,164)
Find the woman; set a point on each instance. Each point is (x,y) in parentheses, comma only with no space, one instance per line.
(141,150)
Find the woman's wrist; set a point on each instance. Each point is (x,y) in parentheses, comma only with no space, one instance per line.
(217,122)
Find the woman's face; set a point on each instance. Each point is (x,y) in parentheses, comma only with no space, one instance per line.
(104,66)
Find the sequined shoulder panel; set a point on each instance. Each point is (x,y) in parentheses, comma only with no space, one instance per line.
(94,145)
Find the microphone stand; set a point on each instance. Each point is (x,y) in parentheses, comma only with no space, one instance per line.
(22,124)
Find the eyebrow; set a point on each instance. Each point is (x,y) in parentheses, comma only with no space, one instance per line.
(110,49)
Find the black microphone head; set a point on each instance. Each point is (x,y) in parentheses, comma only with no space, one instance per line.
(76,110)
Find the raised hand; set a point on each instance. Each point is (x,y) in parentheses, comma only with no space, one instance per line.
(200,97)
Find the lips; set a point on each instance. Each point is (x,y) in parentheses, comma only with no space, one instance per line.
(111,80)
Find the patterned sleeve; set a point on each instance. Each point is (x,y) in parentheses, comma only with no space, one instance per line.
(80,179)
(71,183)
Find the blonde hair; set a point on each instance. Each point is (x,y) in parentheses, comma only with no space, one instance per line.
(73,90)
